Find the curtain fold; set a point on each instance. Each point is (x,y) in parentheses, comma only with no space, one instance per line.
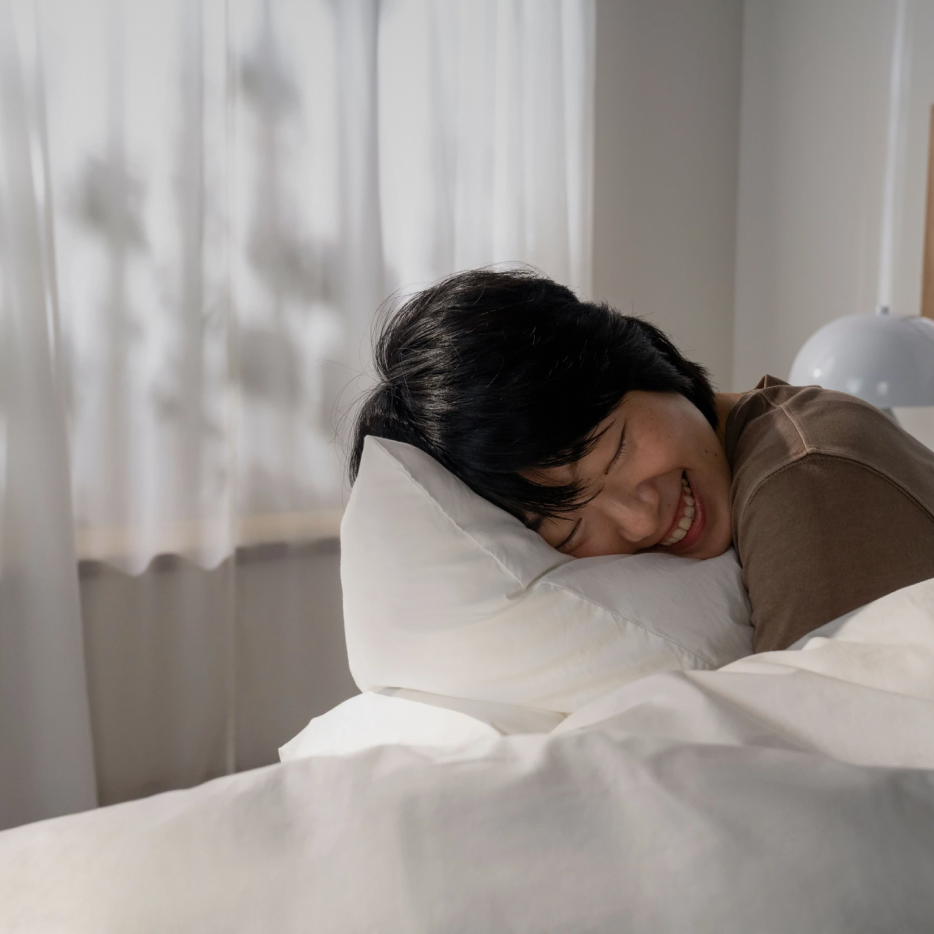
(46,756)
(201,212)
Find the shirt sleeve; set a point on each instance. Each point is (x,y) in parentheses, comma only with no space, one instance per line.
(823,536)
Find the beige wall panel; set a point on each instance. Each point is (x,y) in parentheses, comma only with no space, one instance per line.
(665,175)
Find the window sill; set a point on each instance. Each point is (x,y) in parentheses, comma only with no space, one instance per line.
(258,537)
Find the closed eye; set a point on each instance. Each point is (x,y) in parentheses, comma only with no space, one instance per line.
(567,541)
(619,450)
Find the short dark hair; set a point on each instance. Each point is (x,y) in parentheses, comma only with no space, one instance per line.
(496,374)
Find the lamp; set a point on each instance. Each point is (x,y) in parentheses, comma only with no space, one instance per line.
(884,359)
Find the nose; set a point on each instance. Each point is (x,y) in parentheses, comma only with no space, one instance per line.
(634,514)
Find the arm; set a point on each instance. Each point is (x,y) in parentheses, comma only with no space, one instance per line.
(824,536)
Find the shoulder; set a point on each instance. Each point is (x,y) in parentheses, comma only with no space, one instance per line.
(778,428)
(832,506)
(809,417)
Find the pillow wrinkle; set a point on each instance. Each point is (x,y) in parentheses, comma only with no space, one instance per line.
(620,617)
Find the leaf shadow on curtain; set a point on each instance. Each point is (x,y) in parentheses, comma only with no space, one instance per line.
(225,194)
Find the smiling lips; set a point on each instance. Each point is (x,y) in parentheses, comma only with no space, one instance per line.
(685,517)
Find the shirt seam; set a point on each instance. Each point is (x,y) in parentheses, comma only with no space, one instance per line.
(783,408)
(850,460)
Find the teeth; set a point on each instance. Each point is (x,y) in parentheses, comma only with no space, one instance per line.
(687,518)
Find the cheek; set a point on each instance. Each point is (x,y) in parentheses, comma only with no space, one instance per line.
(664,449)
(605,539)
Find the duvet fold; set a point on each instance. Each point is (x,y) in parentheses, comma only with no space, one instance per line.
(790,791)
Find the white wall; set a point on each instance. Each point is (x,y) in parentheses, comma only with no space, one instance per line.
(739,169)
(812,162)
(666,152)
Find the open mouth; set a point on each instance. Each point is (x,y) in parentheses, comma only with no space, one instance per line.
(686,514)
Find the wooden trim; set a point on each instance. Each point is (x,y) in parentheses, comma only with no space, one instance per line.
(927,280)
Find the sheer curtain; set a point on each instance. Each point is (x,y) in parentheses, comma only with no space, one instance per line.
(201,206)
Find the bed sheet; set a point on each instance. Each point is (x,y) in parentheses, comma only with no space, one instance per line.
(792,791)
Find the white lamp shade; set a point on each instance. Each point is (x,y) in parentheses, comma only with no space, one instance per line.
(884,359)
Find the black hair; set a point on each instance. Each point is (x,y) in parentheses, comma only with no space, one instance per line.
(496,374)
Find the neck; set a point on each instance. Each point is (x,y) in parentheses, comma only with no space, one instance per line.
(724,401)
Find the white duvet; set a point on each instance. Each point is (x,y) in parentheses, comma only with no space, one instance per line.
(788,792)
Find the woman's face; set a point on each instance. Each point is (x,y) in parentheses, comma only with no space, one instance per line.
(661,479)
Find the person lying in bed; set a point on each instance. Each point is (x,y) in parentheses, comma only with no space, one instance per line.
(594,430)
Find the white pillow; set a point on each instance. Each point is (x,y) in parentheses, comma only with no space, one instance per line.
(446,593)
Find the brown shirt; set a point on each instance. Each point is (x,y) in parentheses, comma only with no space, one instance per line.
(833,506)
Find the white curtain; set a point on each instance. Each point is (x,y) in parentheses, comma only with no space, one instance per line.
(201,206)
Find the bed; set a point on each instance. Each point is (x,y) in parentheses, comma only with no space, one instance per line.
(684,785)
(791,791)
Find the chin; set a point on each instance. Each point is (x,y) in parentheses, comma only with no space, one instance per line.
(709,552)
(713,547)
